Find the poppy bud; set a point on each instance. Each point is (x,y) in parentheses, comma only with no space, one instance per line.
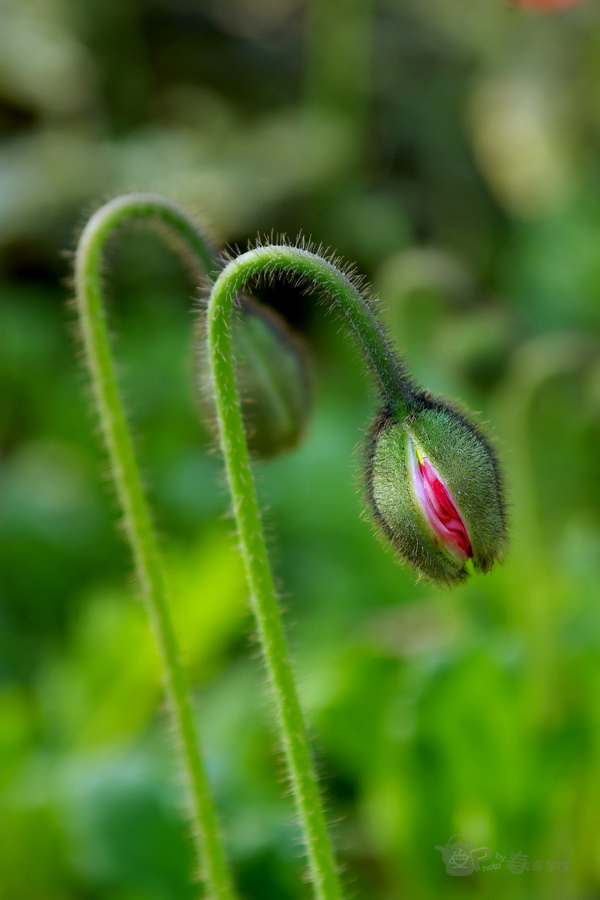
(435,491)
(273,379)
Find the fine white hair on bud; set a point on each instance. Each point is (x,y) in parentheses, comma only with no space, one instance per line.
(435,490)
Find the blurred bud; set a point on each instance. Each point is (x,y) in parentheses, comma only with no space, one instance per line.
(273,380)
(435,491)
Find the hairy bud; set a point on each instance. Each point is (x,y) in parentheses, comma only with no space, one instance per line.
(435,491)
(273,379)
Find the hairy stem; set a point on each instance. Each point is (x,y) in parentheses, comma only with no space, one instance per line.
(126,474)
(337,287)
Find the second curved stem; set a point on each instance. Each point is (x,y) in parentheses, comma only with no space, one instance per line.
(148,560)
(338,288)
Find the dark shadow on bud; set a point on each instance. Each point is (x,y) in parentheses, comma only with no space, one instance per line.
(434,489)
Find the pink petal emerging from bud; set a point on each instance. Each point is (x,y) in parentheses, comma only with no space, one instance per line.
(439,508)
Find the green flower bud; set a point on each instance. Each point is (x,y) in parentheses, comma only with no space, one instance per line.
(435,490)
(273,379)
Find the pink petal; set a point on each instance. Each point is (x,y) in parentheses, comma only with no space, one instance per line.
(439,508)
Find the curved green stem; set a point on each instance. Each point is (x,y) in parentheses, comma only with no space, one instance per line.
(337,287)
(126,474)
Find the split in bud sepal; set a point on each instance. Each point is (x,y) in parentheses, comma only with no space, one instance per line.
(273,377)
(435,490)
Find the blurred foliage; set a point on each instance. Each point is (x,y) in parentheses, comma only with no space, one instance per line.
(451,149)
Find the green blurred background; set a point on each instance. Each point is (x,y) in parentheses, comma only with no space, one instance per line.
(452,149)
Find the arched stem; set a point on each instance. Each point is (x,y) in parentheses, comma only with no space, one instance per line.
(126,474)
(337,287)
